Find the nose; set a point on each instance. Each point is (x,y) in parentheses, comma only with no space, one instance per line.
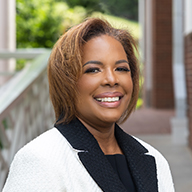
(110,78)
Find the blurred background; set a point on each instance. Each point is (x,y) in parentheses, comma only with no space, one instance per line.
(163,32)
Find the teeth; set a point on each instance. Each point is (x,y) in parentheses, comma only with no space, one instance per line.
(108,99)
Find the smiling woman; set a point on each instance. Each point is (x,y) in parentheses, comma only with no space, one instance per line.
(70,51)
(94,83)
(105,86)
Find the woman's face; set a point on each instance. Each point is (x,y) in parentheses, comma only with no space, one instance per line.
(105,87)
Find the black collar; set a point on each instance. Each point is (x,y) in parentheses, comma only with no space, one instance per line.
(142,166)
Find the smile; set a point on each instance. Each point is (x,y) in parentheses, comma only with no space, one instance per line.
(108,99)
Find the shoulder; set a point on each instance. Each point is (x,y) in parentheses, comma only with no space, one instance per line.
(49,145)
(44,149)
(151,150)
(43,144)
(164,176)
(159,158)
(37,166)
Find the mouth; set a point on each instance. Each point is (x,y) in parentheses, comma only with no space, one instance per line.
(108,99)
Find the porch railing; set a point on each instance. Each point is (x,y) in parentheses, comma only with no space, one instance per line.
(25,108)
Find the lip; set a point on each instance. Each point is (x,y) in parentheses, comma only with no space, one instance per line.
(113,104)
(109,94)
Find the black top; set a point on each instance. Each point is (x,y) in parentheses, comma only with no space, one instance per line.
(120,166)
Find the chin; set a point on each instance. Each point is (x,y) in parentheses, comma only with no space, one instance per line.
(110,116)
(111,119)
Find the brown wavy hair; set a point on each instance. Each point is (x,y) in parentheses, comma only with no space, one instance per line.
(65,66)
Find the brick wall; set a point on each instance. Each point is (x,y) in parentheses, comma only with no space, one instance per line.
(188,67)
(162,92)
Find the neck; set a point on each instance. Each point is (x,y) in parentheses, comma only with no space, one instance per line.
(105,137)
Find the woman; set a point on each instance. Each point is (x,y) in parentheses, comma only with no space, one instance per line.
(94,82)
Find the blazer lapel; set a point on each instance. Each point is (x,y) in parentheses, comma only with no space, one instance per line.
(92,158)
(142,166)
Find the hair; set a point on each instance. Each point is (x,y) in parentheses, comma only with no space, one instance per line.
(65,66)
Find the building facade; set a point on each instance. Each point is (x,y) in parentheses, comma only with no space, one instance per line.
(166,46)
(188,61)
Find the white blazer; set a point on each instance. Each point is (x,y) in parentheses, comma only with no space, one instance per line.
(68,158)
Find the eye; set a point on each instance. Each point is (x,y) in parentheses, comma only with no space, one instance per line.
(123,69)
(92,70)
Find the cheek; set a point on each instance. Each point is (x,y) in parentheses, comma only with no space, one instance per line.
(86,86)
(128,85)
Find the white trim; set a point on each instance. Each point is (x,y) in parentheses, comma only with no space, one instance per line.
(7,35)
(145,20)
(17,85)
(148,47)
(188,17)
(142,28)
(178,57)
(22,53)
(179,123)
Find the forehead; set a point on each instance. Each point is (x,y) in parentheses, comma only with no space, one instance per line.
(102,39)
(103,45)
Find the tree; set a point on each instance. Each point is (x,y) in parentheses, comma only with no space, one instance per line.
(89,5)
(122,8)
(38,24)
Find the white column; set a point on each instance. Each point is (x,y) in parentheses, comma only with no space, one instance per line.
(179,122)
(7,36)
(188,17)
(142,29)
(145,20)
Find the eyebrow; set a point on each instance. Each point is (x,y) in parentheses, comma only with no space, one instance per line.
(100,63)
(121,61)
(93,62)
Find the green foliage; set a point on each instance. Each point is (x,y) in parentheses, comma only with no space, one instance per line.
(38,23)
(119,22)
(5,125)
(89,5)
(122,8)
(139,103)
(71,16)
(20,64)
(1,146)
